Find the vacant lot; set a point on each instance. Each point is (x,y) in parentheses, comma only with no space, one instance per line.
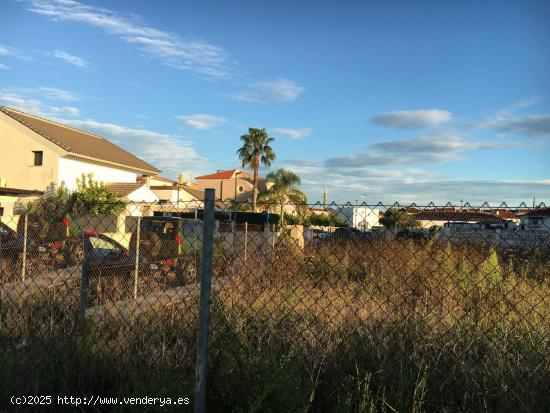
(339,326)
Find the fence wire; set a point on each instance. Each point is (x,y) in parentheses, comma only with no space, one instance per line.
(340,307)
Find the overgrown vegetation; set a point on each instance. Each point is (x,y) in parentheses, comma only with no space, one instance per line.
(90,197)
(394,218)
(362,326)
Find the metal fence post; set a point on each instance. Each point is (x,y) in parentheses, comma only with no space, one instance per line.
(136,265)
(204,309)
(245,239)
(24,258)
(233,236)
(84,287)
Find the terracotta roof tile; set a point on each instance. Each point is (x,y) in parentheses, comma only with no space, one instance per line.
(506,214)
(197,193)
(123,189)
(538,212)
(458,216)
(78,142)
(219,175)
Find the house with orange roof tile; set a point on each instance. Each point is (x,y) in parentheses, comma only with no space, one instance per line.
(231,184)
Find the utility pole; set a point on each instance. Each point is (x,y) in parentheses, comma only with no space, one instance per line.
(325,196)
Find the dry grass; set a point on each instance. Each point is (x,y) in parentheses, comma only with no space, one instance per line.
(400,326)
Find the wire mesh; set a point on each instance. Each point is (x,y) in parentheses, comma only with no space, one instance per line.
(333,306)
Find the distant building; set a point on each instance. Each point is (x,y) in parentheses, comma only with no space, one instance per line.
(360,217)
(231,184)
(537,219)
(434,218)
(321,211)
(179,193)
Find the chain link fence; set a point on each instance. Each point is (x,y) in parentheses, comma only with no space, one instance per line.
(340,307)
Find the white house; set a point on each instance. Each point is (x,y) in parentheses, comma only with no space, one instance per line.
(36,153)
(360,217)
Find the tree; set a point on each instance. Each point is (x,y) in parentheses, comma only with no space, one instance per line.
(325,220)
(396,218)
(89,197)
(285,190)
(59,205)
(256,149)
(92,197)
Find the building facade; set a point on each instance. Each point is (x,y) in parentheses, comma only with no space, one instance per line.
(38,153)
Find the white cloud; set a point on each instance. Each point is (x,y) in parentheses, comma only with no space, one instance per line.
(441,143)
(364,159)
(20,103)
(413,119)
(189,54)
(293,133)
(278,90)
(508,121)
(3,66)
(69,58)
(527,125)
(4,50)
(444,147)
(11,52)
(65,111)
(167,152)
(32,101)
(202,121)
(53,93)
(408,185)
(476,191)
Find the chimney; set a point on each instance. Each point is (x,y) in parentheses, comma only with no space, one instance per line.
(147,180)
(181,179)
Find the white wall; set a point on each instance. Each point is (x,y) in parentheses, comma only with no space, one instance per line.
(71,169)
(363,218)
(143,194)
(168,194)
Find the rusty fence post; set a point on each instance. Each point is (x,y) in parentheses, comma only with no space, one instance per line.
(204,308)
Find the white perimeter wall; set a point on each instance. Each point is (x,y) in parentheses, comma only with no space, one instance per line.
(71,169)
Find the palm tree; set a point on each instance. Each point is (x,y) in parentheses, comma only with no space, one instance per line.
(256,148)
(284,191)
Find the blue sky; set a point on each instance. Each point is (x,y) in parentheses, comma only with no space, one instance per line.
(403,101)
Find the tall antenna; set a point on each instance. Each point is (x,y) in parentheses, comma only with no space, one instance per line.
(325,196)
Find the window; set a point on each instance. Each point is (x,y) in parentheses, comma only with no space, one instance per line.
(103,247)
(38,157)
